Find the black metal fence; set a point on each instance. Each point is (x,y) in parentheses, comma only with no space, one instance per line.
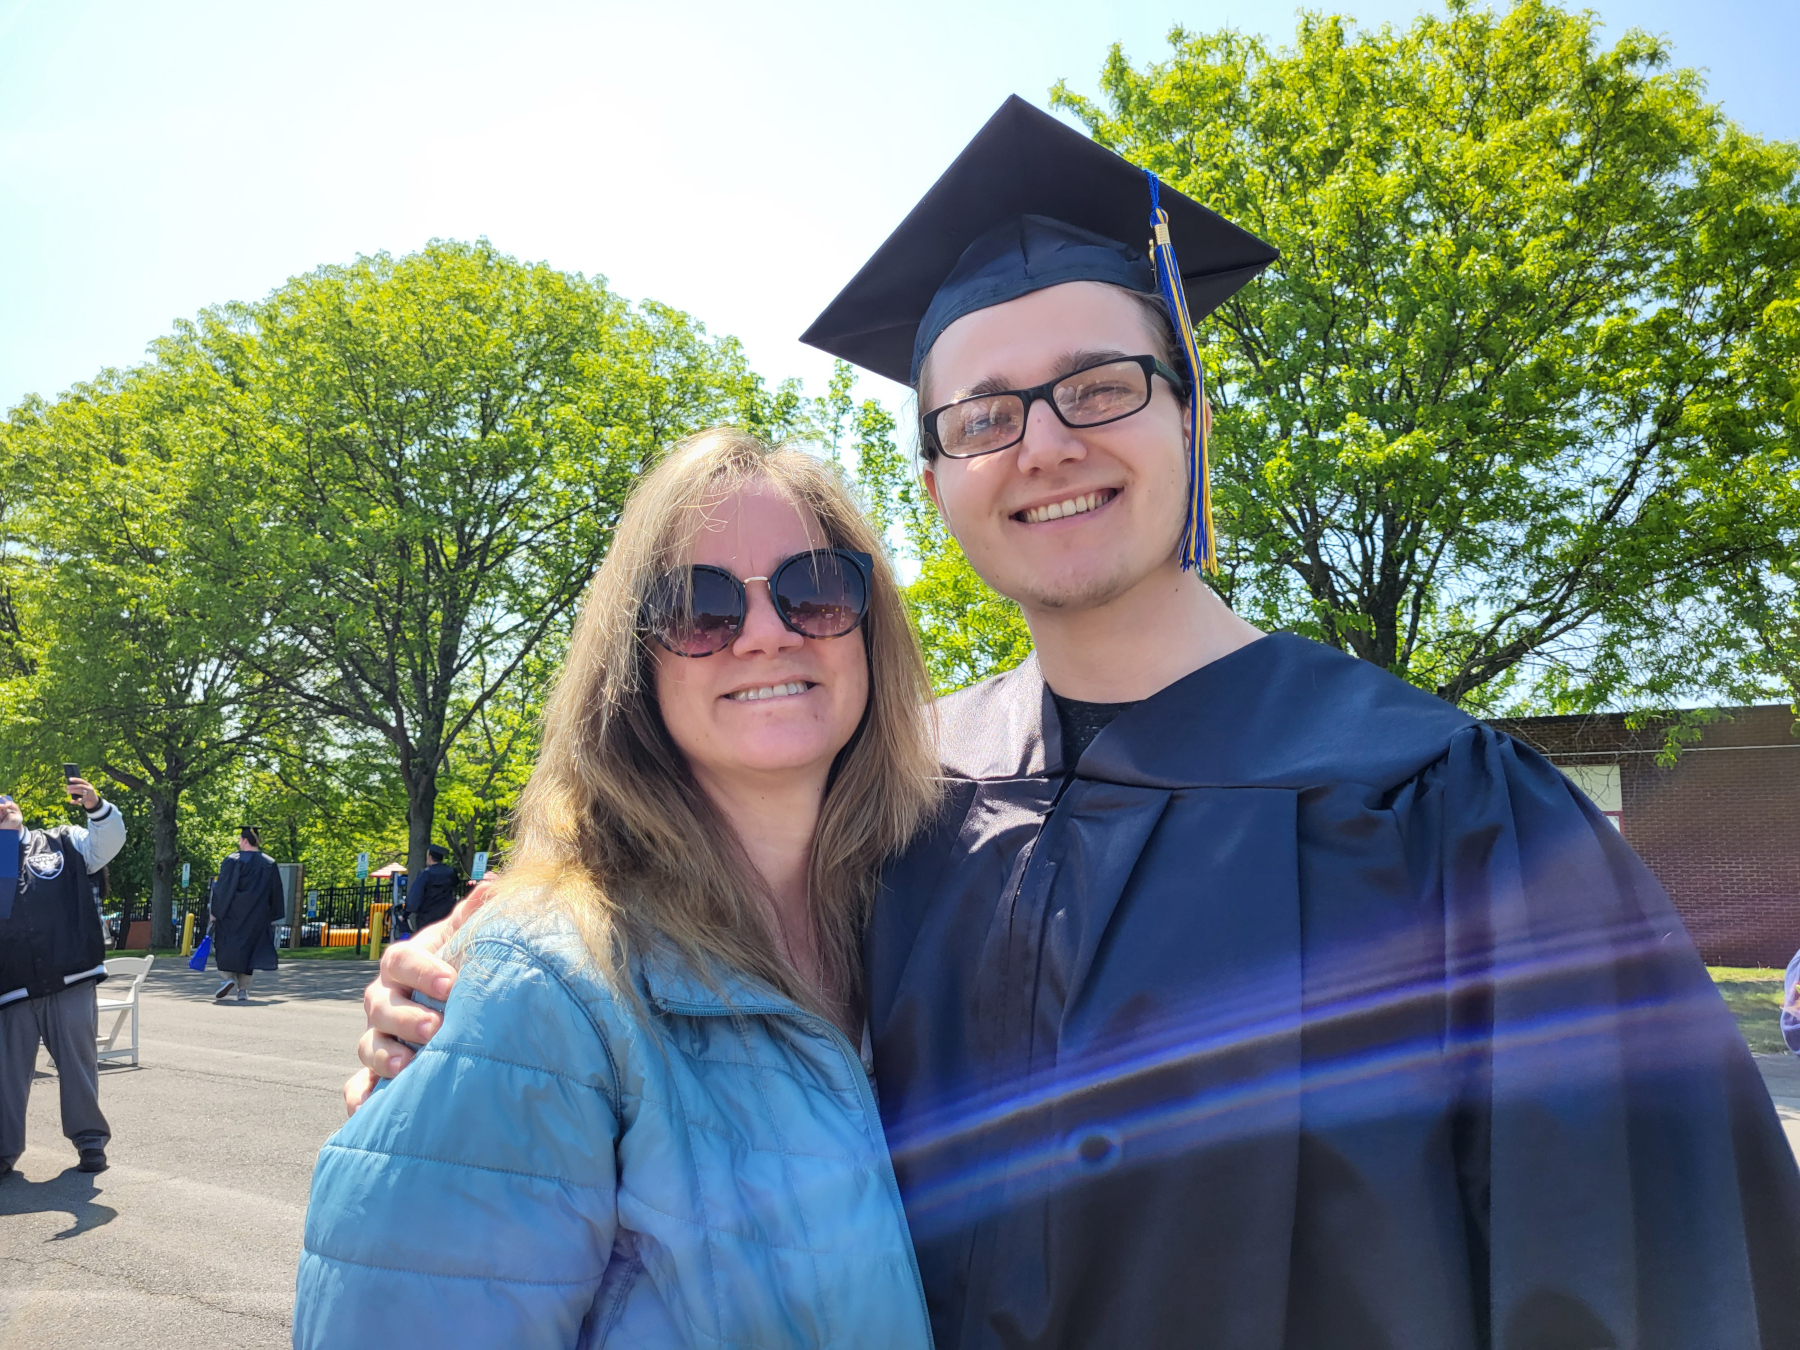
(121,913)
(338,916)
(191,900)
(325,916)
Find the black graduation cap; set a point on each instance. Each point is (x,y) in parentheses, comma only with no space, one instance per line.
(1026,163)
(1031,203)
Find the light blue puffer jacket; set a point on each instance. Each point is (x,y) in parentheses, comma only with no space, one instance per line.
(556,1169)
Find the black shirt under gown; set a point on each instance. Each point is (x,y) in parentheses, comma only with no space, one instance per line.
(1309,1011)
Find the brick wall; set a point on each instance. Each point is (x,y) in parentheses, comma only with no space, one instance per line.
(1720,829)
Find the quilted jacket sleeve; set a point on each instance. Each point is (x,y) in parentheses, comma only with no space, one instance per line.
(472,1201)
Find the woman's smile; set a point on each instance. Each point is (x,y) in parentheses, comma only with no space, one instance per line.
(790,689)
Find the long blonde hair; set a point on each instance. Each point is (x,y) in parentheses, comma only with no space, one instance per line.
(612,829)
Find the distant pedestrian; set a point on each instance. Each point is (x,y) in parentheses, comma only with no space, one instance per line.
(433,895)
(246,900)
(52,954)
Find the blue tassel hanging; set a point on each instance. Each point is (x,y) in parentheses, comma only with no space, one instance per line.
(1197,547)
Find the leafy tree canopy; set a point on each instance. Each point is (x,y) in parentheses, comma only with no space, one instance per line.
(418,463)
(1517,396)
(126,669)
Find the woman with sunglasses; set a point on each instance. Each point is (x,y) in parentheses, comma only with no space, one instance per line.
(645,1118)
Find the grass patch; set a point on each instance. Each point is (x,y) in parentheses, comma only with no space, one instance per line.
(1753,994)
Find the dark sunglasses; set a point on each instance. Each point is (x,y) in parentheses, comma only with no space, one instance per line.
(699,610)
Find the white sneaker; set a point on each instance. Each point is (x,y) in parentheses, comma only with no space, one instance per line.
(225,989)
(241,996)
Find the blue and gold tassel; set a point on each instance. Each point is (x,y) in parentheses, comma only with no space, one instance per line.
(1197,548)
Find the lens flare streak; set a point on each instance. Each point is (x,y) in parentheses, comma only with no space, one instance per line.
(1550,1024)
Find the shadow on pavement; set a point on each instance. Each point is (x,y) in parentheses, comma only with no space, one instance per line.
(70,1193)
(296,981)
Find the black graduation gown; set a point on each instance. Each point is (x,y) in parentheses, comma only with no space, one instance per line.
(246,899)
(1310,1012)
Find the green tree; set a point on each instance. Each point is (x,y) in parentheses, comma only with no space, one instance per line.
(488,770)
(420,462)
(128,668)
(1760,607)
(14,566)
(1495,420)
(321,796)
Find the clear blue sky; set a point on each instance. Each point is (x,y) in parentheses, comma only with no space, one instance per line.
(736,160)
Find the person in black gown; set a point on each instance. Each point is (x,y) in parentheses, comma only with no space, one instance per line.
(1244,995)
(246,899)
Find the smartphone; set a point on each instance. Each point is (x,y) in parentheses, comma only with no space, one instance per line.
(71,771)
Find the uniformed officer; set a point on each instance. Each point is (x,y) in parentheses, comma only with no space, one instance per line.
(52,954)
(433,895)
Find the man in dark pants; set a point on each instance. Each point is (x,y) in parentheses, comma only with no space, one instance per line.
(52,954)
(433,895)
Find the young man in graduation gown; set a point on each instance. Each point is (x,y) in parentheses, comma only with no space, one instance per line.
(1244,995)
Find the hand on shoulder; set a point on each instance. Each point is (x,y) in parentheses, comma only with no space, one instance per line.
(393,1017)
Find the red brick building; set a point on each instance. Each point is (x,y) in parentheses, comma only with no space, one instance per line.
(1720,829)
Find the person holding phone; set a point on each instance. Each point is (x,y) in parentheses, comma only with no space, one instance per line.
(52,954)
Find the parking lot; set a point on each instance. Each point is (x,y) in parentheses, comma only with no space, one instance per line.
(192,1236)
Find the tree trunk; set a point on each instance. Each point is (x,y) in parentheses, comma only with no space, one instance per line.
(162,872)
(421,809)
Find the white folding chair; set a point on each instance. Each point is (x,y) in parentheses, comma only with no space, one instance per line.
(122,1003)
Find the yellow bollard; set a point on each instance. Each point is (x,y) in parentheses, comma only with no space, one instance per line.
(187,936)
(377,926)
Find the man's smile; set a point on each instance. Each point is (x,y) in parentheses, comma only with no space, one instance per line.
(1080,504)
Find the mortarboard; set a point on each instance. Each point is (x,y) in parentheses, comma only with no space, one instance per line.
(1032,203)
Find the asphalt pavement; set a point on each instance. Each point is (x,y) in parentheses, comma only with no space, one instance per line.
(1781,1074)
(192,1236)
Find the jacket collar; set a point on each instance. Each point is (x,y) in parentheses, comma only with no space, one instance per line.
(674,986)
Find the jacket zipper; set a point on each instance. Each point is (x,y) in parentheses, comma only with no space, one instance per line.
(871,1113)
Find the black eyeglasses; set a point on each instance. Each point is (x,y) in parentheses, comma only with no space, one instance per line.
(699,610)
(1107,391)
